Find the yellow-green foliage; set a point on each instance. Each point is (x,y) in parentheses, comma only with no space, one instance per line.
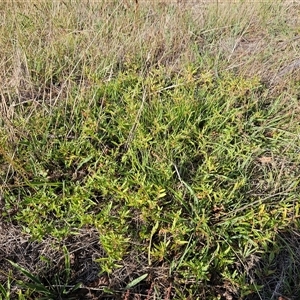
(156,127)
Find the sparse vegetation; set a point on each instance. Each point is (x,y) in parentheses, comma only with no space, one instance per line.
(149,150)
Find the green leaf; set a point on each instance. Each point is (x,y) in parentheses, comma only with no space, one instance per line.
(4,292)
(67,262)
(26,273)
(136,281)
(37,285)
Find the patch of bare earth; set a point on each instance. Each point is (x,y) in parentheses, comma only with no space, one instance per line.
(46,260)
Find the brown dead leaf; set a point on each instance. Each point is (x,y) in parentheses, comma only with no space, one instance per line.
(283,298)
(265,160)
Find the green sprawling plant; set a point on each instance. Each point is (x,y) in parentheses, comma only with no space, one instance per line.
(173,152)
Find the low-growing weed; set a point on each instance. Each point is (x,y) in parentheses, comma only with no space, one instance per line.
(161,129)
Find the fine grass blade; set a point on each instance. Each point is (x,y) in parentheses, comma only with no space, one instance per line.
(136,281)
(26,273)
(4,292)
(37,285)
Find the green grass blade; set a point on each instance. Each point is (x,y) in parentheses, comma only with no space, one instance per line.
(4,292)
(136,281)
(40,288)
(67,262)
(26,273)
